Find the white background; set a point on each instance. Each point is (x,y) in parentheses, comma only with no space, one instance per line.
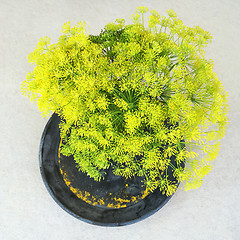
(27,211)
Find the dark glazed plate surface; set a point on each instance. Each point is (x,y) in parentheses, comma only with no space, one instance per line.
(61,193)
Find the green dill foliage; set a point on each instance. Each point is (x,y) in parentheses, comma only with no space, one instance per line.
(133,97)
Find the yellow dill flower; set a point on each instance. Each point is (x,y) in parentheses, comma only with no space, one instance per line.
(133,96)
(133,121)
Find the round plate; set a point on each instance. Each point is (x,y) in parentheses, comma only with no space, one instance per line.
(70,198)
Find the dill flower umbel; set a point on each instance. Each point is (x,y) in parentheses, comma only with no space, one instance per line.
(133,97)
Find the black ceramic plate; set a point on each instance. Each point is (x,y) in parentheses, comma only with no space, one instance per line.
(65,194)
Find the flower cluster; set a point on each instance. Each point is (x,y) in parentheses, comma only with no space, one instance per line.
(133,97)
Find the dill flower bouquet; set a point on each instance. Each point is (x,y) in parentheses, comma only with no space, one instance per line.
(133,97)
